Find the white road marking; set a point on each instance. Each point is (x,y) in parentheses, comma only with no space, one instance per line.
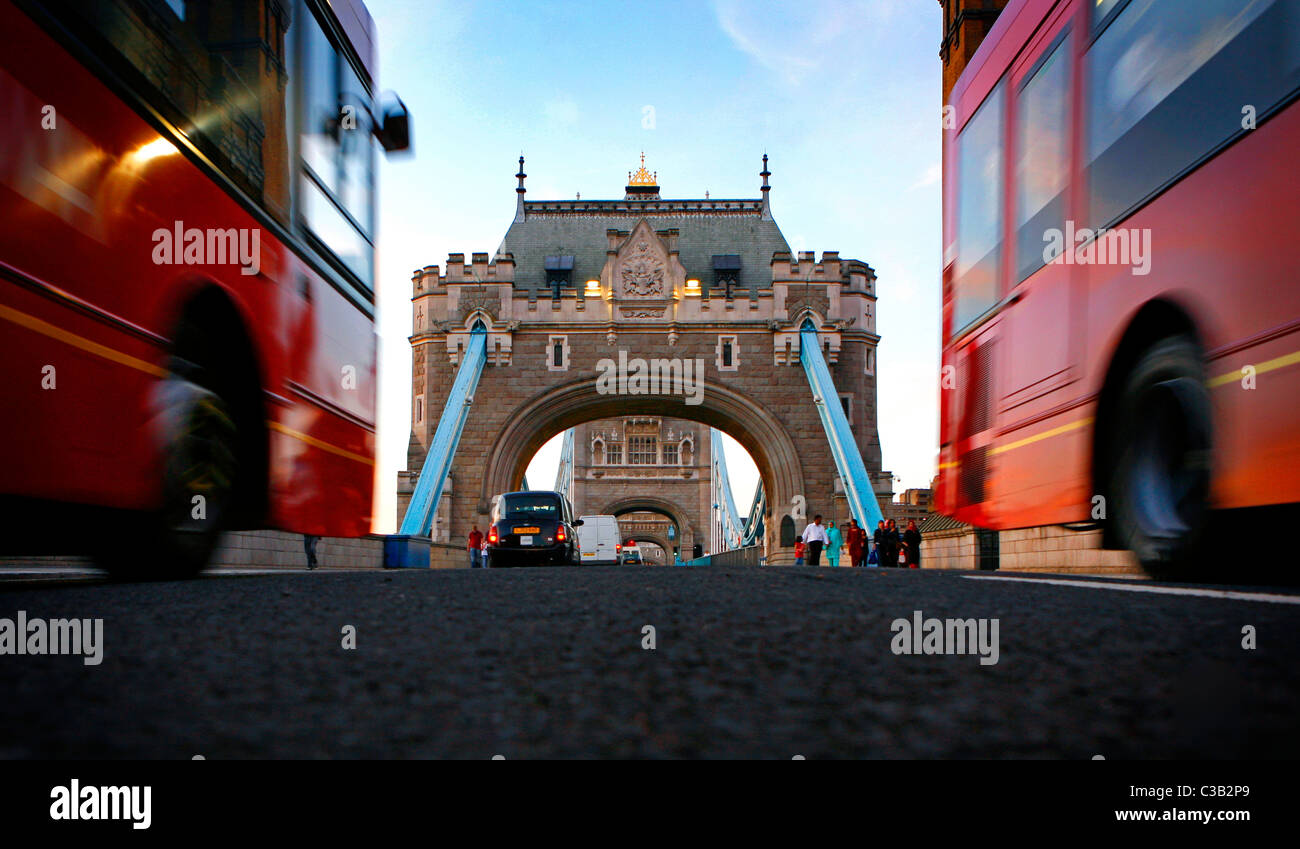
(1233,595)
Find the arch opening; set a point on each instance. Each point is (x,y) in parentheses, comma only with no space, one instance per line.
(549,413)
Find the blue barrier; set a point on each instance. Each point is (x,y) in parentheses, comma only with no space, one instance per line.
(844,450)
(418,521)
(723,500)
(564,472)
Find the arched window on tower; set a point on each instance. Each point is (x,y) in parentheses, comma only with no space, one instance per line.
(787,531)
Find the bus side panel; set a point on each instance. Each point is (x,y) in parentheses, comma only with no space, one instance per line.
(1221,250)
(72,296)
(82,205)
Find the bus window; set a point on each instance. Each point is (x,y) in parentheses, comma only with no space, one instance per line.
(213,70)
(318,73)
(1042,154)
(1102,9)
(979,213)
(357,153)
(1168,84)
(337,183)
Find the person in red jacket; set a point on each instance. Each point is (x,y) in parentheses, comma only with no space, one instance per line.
(857,542)
(475,548)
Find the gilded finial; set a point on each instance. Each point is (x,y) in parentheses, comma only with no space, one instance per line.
(642,177)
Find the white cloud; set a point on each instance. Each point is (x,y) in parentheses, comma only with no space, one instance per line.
(794,40)
(931,177)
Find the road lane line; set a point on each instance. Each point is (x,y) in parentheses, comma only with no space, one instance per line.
(1233,595)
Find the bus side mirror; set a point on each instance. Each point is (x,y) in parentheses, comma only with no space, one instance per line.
(394,129)
(577,522)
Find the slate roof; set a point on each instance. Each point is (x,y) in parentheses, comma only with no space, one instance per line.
(706,227)
(939,522)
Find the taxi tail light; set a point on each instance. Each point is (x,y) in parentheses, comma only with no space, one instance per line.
(559,534)
(492,535)
(618,546)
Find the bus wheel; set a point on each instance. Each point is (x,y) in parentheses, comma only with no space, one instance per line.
(197,436)
(1160,473)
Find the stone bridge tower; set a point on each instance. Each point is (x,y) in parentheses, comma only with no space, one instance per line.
(653,472)
(651,308)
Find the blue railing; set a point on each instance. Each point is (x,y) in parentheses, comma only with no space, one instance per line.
(844,449)
(418,520)
(754,527)
(751,555)
(722,498)
(564,472)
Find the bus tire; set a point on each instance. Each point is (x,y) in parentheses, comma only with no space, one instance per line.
(1159,475)
(198,446)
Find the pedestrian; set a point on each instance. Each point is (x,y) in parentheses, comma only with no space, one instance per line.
(912,541)
(475,546)
(799,549)
(856,538)
(309,546)
(834,540)
(893,545)
(879,539)
(814,536)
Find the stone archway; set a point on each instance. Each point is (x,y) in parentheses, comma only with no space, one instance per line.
(547,413)
(687,532)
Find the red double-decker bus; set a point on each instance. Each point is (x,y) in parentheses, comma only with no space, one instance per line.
(1121,303)
(187,230)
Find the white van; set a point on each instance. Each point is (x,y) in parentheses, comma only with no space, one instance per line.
(598,538)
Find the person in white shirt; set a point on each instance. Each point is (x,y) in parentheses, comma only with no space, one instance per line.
(814,536)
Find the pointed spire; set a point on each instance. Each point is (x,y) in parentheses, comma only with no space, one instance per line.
(642,184)
(519,205)
(767,206)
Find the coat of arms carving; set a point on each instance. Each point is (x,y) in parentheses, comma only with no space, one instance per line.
(643,272)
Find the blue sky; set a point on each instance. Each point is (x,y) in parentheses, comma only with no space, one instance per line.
(843,95)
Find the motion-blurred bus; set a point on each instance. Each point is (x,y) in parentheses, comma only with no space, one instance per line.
(187,231)
(1121,293)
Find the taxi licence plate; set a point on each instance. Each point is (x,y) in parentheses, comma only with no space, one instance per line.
(526,540)
(527,530)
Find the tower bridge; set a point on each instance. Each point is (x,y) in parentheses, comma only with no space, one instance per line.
(584,301)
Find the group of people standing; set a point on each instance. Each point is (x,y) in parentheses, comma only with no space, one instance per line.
(886,547)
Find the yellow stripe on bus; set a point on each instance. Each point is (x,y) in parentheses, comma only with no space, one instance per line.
(1221,380)
(1020,443)
(316,443)
(44,328)
(1260,368)
(1056,431)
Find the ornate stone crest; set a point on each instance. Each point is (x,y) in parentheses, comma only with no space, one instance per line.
(643,272)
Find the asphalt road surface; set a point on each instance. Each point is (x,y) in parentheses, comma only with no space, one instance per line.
(764,663)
